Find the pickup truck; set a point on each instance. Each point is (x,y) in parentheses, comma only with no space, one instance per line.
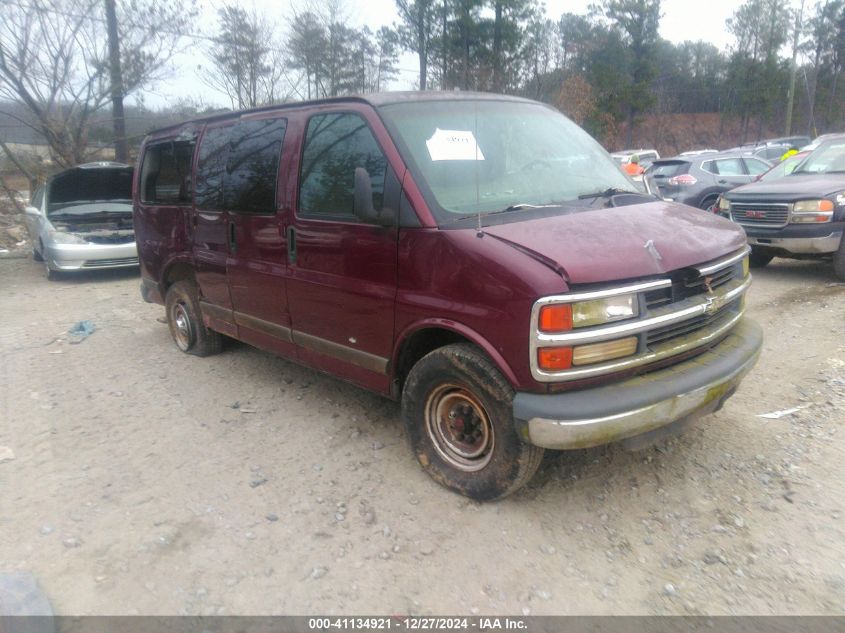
(801,215)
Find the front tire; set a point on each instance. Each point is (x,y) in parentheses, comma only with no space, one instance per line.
(185,321)
(456,407)
(52,275)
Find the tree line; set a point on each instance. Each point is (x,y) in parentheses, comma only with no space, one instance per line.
(605,69)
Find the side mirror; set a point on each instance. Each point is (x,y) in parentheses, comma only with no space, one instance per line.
(30,210)
(363,201)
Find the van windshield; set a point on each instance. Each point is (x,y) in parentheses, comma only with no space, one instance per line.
(486,156)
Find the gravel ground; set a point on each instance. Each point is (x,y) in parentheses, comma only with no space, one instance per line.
(136,479)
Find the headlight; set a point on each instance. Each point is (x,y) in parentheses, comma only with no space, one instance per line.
(57,237)
(599,311)
(812,211)
(559,317)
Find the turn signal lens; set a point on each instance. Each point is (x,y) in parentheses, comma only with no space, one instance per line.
(608,350)
(556,318)
(554,358)
(745,264)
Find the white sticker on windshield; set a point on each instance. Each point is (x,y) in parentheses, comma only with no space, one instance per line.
(453,145)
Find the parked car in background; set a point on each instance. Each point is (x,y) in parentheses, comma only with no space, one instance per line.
(82,219)
(772,149)
(822,139)
(784,167)
(697,152)
(698,180)
(798,141)
(801,215)
(645,156)
(778,170)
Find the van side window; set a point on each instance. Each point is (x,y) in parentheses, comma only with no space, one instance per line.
(166,173)
(252,166)
(211,166)
(335,144)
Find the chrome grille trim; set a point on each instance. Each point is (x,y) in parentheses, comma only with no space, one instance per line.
(604,293)
(689,317)
(719,264)
(692,307)
(664,350)
(109,263)
(776,215)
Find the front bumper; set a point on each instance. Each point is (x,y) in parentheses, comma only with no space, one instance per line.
(800,245)
(90,256)
(600,415)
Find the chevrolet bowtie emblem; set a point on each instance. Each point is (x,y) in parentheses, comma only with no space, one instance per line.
(714,304)
(652,249)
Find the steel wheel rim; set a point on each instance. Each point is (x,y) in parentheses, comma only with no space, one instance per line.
(183,333)
(459,428)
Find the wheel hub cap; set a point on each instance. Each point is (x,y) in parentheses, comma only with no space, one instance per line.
(182,332)
(459,427)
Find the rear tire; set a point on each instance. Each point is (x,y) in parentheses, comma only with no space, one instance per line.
(759,259)
(185,321)
(839,260)
(456,407)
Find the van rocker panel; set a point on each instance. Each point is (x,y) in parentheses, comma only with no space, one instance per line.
(592,417)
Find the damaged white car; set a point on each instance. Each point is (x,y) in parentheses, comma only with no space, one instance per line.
(82,219)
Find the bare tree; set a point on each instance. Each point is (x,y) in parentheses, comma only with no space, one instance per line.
(54,59)
(335,58)
(246,63)
(417,31)
(306,47)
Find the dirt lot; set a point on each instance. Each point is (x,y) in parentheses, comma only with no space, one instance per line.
(142,480)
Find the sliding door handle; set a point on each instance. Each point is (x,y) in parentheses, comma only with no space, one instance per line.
(291,244)
(233,241)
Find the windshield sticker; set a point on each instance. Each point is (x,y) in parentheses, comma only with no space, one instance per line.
(453,145)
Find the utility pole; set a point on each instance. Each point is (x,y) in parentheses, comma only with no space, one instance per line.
(790,97)
(121,150)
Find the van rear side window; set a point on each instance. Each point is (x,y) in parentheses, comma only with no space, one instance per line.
(252,166)
(239,165)
(166,173)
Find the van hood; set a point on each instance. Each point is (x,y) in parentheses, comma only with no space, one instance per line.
(790,188)
(616,243)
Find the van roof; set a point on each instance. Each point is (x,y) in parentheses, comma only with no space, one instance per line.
(374,99)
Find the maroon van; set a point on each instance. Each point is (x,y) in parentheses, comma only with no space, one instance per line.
(479,257)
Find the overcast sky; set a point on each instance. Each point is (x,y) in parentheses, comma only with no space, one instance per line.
(682,20)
